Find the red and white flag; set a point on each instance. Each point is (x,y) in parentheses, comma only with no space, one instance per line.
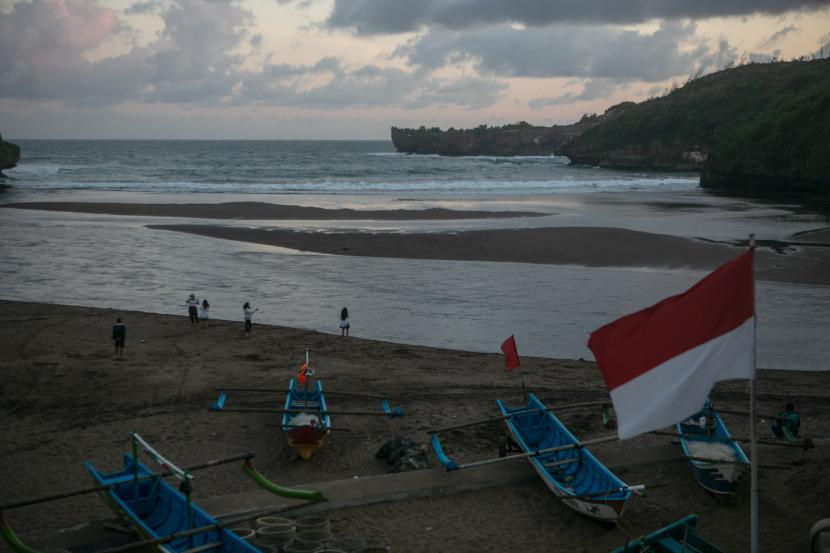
(660,363)
(511,354)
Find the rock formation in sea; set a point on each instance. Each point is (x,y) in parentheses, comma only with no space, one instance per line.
(9,155)
(510,140)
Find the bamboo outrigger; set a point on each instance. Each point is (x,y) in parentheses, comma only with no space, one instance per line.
(305,416)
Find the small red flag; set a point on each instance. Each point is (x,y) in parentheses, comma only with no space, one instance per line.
(511,355)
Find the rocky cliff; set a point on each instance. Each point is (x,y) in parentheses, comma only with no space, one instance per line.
(509,140)
(9,155)
(758,128)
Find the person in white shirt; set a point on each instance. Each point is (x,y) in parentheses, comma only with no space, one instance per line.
(246,309)
(193,309)
(204,312)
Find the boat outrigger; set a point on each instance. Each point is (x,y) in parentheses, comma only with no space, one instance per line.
(567,468)
(163,515)
(305,414)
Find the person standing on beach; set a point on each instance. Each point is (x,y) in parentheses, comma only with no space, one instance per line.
(249,314)
(205,312)
(119,336)
(193,309)
(344,322)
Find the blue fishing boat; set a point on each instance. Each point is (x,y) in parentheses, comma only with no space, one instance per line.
(305,419)
(154,508)
(716,459)
(570,471)
(678,536)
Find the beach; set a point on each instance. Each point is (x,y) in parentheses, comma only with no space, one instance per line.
(65,400)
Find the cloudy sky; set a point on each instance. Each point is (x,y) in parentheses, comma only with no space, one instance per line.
(353,68)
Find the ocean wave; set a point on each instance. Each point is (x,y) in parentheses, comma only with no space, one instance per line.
(565,184)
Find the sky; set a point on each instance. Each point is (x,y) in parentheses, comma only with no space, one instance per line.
(351,69)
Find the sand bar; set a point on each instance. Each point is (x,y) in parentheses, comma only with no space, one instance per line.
(265,211)
(587,246)
(64,400)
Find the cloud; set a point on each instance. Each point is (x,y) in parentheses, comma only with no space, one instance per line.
(399,16)
(754,57)
(776,37)
(591,90)
(144,7)
(328,84)
(44,45)
(586,52)
(193,58)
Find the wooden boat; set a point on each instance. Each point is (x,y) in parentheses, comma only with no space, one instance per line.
(305,420)
(704,436)
(573,474)
(154,508)
(678,536)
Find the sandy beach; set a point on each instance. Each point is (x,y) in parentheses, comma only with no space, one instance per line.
(586,246)
(64,399)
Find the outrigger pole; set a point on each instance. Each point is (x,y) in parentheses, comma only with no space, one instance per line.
(804,444)
(202,529)
(282,391)
(393,414)
(525,412)
(85,491)
(449,464)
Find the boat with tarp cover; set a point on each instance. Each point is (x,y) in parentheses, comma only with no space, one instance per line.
(569,470)
(716,459)
(677,537)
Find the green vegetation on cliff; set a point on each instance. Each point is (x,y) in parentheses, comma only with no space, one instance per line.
(757,127)
(9,154)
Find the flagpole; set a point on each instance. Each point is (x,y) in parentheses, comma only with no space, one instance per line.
(753,448)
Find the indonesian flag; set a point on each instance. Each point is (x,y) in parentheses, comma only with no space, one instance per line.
(660,363)
(511,354)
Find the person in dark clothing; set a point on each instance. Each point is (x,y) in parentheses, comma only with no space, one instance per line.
(119,336)
(193,309)
(787,424)
(248,314)
(344,322)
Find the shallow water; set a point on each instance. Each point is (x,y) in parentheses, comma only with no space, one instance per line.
(115,262)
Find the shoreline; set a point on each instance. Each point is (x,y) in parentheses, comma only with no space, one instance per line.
(64,399)
(265,211)
(584,246)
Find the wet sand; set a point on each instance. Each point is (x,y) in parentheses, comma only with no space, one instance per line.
(587,246)
(265,211)
(63,399)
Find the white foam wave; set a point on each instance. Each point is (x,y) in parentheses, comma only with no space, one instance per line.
(565,184)
(29,170)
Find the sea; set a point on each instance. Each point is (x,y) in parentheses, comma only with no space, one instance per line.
(116,262)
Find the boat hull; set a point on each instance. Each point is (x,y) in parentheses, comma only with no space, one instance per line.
(574,475)
(712,441)
(305,440)
(606,510)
